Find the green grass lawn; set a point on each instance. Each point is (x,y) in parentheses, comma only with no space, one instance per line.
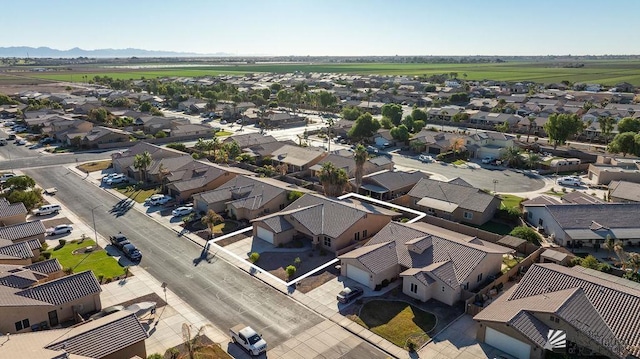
(459,162)
(98,261)
(509,262)
(137,195)
(396,321)
(510,201)
(223,133)
(94,166)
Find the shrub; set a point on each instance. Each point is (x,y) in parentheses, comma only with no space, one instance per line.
(100,278)
(297,261)
(253,257)
(62,242)
(404,220)
(411,346)
(46,255)
(155,356)
(44,246)
(291,271)
(526,233)
(67,270)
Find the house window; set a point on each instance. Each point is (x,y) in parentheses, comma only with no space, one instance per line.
(479,277)
(23,324)
(414,288)
(468,215)
(356,236)
(364,234)
(327,241)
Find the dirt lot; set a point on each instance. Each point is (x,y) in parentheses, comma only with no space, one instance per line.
(276,262)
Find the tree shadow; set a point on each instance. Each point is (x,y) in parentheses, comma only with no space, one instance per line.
(122,207)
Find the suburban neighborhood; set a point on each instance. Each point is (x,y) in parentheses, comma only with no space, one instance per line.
(319,215)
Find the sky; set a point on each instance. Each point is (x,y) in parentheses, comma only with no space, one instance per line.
(330,27)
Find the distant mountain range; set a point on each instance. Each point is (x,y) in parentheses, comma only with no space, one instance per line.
(26,51)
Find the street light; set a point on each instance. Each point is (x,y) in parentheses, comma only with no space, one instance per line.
(93,217)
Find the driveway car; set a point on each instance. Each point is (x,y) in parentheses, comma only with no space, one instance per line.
(372,150)
(154,197)
(425,158)
(349,293)
(162,199)
(119,178)
(108,177)
(569,181)
(21,141)
(6,176)
(181,211)
(130,251)
(489,159)
(60,229)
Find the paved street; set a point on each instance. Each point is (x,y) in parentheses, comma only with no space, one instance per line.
(223,294)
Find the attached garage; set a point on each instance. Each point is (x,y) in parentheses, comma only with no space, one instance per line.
(357,274)
(507,344)
(265,234)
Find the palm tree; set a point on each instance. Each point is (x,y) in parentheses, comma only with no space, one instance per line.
(200,145)
(532,160)
(215,145)
(140,162)
(333,179)
(193,343)
(532,121)
(633,261)
(609,244)
(211,219)
(511,156)
(361,156)
(618,247)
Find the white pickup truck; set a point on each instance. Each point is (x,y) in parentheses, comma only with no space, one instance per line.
(247,338)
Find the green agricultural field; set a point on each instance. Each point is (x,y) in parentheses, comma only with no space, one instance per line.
(599,71)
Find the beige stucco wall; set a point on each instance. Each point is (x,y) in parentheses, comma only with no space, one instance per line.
(37,314)
(183,195)
(373,223)
(444,293)
(25,261)
(40,237)
(490,265)
(536,353)
(423,294)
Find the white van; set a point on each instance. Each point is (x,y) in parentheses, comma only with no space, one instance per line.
(47,209)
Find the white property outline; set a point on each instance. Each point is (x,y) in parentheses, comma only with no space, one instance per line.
(419,216)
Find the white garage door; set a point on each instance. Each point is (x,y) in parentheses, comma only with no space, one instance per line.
(358,275)
(265,234)
(507,344)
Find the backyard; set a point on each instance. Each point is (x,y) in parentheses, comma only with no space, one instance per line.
(396,321)
(72,256)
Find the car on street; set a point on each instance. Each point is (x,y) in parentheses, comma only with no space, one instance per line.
(161,199)
(119,240)
(348,294)
(119,178)
(182,211)
(20,141)
(130,251)
(60,229)
(426,158)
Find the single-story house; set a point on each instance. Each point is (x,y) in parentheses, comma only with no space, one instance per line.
(199,177)
(387,185)
(297,158)
(332,224)
(591,312)
(586,224)
(623,191)
(19,253)
(607,169)
(12,213)
(20,232)
(453,201)
(433,262)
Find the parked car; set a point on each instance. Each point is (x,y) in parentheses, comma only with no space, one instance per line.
(489,159)
(6,176)
(426,158)
(21,141)
(108,177)
(153,197)
(372,150)
(162,199)
(60,229)
(130,251)
(349,293)
(47,209)
(223,122)
(570,181)
(47,140)
(248,339)
(120,178)
(119,240)
(181,211)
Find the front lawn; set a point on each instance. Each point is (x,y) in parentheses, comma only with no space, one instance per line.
(510,201)
(138,195)
(94,166)
(223,133)
(396,321)
(225,227)
(98,260)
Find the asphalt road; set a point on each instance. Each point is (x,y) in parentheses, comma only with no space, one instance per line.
(222,293)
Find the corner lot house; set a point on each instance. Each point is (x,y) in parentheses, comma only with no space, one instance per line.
(26,302)
(12,213)
(588,224)
(332,224)
(598,313)
(453,201)
(433,262)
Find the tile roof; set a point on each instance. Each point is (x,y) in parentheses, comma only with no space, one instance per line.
(421,245)
(296,156)
(459,195)
(8,210)
(198,181)
(65,289)
(602,306)
(277,224)
(48,266)
(578,197)
(20,278)
(395,180)
(628,191)
(250,139)
(22,230)
(610,215)
(19,250)
(101,337)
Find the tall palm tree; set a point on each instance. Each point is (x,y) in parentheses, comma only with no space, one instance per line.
(532,160)
(532,121)
(633,261)
(193,342)
(622,255)
(360,155)
(333,179)
(141,162)
(511,156)
(610,244)
(211,219)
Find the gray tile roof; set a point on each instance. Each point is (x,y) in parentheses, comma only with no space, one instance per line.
(381,160)
(395,180)
(624,190)
(7,209)
(19,250)
(607,303)
(102,337)
(296,156)
(463,196)
(250,139)
(420,245)
(22,230)
(49,266)
(20,278)
(65,289)
(578,197)
(611,215)
(531,327)
(202,180)
(277,224)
